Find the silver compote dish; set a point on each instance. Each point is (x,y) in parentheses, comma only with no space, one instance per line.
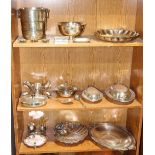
(119,94)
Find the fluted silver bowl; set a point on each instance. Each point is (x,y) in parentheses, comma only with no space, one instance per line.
(71,28)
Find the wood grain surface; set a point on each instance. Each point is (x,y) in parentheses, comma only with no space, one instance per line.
(96,14)
(81,67)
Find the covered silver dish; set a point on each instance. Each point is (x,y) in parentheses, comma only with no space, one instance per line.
(91,94)
(70,132)
(112,136)
(116,35)
(120,94)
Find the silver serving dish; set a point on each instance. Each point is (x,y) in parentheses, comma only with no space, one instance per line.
(64,90)
(70,132)
(91,94)
(120,94)
(71,28)
(112,136)
(35,140)
(33,101)
(116,35)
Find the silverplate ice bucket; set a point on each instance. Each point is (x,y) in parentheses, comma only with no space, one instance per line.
(33,22)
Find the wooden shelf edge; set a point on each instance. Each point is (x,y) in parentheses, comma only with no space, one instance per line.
(94,43)
(53,147)
(52,104)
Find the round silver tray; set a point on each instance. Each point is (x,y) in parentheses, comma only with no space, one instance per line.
(123,101)
(70,132)
(35,140)
(29,101)
(116,35)
(112,136)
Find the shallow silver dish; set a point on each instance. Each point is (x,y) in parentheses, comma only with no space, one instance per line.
(33,101)
(64,90)
(91,94)
(120,94)
(35,140)
(70,132)
(116,35)
(71,28)
(112,136)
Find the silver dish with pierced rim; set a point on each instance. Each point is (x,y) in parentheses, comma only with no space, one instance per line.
(112,136)
(70,132)
(116,35)
(119,94)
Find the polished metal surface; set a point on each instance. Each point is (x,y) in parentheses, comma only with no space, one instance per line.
(65,90)
(120,94)
(70,132)
(33,22)
(112,136)
(35,140)
(33,101)
(92,94)
(116,35)
(71,28)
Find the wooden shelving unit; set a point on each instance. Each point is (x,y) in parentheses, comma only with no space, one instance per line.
(96,63)
(53,104)
(93,43)
(52,146)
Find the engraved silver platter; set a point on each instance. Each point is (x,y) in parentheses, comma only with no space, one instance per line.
(112,136)
(70,132)
(35,140)
(119,94)
(116,35)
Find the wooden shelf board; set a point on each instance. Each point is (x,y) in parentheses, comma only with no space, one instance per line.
(53,104)
(94,43)
(53,147)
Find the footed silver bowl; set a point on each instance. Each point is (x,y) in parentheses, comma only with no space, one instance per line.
(71,28)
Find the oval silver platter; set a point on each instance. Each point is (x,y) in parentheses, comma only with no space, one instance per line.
(112,136)
(70,132)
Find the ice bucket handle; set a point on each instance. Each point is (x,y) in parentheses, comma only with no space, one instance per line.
(47,13)
(18,12)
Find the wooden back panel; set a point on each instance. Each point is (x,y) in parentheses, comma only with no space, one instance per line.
(95,13)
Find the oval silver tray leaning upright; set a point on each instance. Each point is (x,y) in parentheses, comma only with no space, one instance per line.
(112,136)
(70,132)
(116,35)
